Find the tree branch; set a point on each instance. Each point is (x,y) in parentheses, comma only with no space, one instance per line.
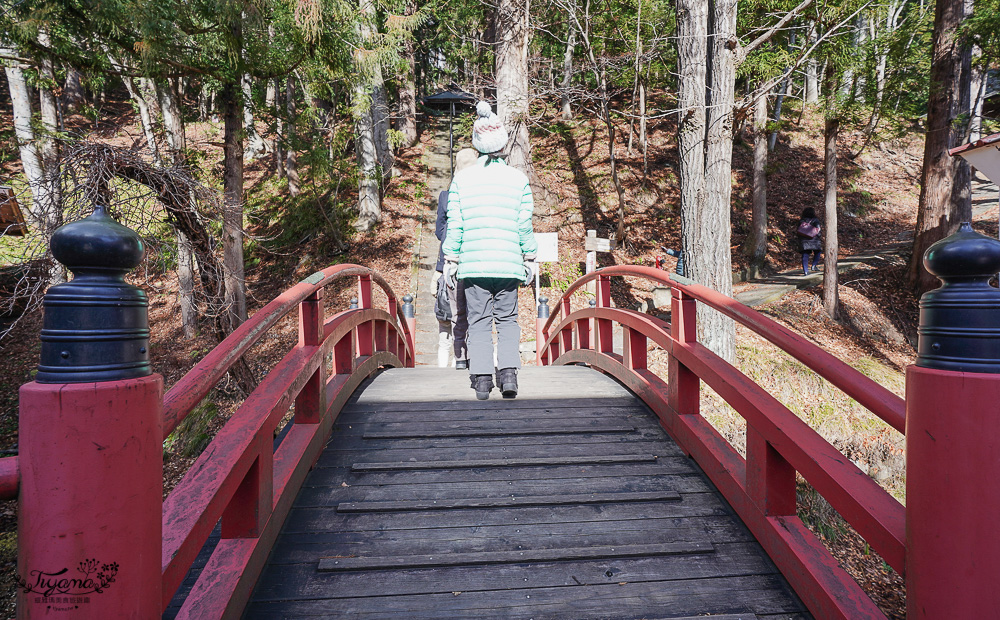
(744,51)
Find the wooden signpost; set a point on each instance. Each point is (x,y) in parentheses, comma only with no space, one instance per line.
(11,219)
(594,244)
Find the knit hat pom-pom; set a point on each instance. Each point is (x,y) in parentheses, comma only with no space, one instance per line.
(483,109)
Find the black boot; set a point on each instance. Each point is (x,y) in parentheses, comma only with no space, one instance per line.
(461,364)
(507,380)
(482,384)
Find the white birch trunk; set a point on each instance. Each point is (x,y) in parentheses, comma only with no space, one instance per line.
(173,122)
(145,118)
(812,69)
(20,99)
(185,286)
(255,145)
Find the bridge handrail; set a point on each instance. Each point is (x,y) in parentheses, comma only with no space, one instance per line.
(242,479)
(887,406)
(206,374)
(762,486)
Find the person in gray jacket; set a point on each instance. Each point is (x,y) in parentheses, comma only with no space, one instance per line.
(490,247)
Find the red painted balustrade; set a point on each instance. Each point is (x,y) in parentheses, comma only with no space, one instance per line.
(239,478)
(761,487)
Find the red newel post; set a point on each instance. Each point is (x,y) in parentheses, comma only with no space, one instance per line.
(953,436)
(91,465)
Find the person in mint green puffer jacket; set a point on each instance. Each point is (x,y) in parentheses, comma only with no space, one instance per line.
(489,251)
(489,221)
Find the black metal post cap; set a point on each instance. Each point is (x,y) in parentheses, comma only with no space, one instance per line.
(960,321)
(543,307)
(96,327)
(408,310)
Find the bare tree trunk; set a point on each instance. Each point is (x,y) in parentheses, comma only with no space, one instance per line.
(636,80)
(513,32)
(642,116)
(291,165)
(232,216)
(755,247)
(185,284)
(567,82)
(72,94)
(20,99)
(145,118)
(938,214)
(255,145)
(365,141)
(712,263)
(369,199)
(408,88)
(831,245)
(772,139)
(173,122)
(380,120)
(692,62)
(48,150)
(280,141)
(812,69)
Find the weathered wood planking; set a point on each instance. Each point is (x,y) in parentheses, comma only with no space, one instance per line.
(568,502)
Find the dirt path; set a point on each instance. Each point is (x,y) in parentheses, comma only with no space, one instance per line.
(766,290)
(439,168)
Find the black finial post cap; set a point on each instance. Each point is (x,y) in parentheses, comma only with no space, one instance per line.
(408,310)
(543,307)
(354,304)
(960,321)
(96,327)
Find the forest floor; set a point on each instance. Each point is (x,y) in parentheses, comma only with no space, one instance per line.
(878,193)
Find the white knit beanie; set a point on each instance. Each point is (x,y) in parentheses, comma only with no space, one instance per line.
(488,134)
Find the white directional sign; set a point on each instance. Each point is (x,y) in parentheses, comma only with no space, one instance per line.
(548,247)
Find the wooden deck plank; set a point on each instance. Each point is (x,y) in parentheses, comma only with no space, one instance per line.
(326,518)
(555,505)
(512,556)
(485,463)
(304,547)
(303,582)
(757,594)
(430,474)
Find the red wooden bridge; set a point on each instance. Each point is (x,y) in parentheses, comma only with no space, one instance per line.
(600,492)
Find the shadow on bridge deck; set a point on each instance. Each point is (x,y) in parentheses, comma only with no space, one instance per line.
(568,502)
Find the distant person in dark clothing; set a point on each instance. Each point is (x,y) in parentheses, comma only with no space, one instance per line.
(453,324)
(810,239)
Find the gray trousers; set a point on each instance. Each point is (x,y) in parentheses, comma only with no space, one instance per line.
(489,301)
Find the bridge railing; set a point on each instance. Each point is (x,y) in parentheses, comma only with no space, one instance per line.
(762,486)
(95,536)
(240,478)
